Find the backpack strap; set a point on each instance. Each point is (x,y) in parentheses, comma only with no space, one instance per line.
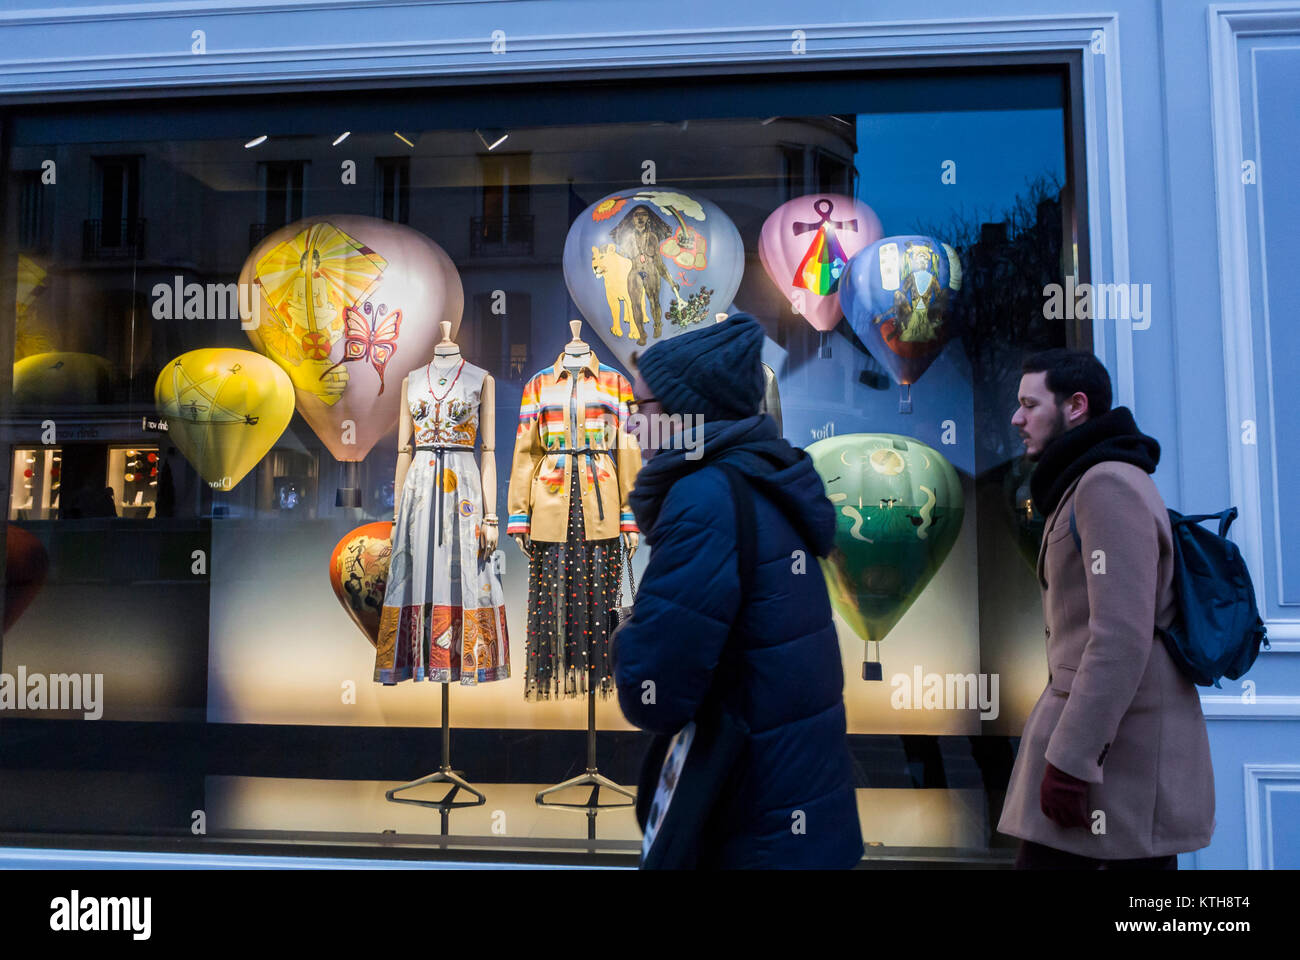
(742,498)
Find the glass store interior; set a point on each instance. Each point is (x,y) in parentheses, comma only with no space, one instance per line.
(234,704)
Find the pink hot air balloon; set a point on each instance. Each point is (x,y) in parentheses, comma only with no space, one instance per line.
(348,305)
(805,245)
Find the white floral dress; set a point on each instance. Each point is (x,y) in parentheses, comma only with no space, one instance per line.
(444,614)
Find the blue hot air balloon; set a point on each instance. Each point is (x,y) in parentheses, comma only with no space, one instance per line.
(898,297)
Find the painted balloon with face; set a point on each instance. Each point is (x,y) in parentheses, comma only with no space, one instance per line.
(898,296)
(805,247)
(898,511)
(359,574)
(645,265)
(225,409)
(348,305)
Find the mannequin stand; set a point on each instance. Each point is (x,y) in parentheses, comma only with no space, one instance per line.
(592,778)
(445,774)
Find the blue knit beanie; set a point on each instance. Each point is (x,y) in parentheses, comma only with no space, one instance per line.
(714,372)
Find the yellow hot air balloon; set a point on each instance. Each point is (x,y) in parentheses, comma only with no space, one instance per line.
(225,409)
(61,377)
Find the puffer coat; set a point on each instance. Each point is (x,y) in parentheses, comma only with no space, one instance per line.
(794,803)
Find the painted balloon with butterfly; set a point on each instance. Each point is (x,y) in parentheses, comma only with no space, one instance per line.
(347,305)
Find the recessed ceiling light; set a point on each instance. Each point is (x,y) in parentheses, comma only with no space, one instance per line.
(492,138)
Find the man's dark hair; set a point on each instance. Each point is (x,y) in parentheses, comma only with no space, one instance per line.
(1070,372)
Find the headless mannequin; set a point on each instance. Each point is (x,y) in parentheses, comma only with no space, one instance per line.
(448,353)
(576,355)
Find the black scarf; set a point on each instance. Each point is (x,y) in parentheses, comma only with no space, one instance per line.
(1111,436)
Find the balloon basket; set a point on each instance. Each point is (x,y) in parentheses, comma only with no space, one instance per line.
(823,345)
(872,669)
(905,398)
(348,493)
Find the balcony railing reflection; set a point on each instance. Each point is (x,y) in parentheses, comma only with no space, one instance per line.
(501,236)
(113,239)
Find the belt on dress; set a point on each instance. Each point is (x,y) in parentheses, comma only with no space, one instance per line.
(438,449)
(591,461)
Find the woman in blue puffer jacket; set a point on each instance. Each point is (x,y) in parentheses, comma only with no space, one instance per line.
(794,804)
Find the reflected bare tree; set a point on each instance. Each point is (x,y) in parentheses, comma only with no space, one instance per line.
(1006,264)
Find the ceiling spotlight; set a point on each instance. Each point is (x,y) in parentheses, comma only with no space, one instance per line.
(492,138)
(342,136)
(403,139)
(255,142)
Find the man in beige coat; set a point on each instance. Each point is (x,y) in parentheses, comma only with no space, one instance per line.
(1114,764)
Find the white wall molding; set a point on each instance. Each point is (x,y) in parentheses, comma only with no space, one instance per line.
(1227,22)
(1228,707)
(1263,780)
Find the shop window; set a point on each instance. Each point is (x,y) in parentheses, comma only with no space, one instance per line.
(504,226)
(34,483)
(393,188)
(115,228)
(194,521)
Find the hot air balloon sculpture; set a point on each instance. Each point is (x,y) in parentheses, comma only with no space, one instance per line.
(645,265)
(62,377)
(225,409)
(805,247)
(898,298)
(359,574)
(347,306)
(899,507)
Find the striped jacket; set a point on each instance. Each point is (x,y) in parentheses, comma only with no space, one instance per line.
(588,414)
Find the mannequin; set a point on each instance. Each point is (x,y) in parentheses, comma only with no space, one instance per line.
(444,609)
(573,469)
(447,348)
(576,352)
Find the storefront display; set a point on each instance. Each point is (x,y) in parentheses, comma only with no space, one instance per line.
(300,441)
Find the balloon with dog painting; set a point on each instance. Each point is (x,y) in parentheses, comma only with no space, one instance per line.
(898,511)
(805,246)
(645,265)
(348,305)
(897,296)
(359,574)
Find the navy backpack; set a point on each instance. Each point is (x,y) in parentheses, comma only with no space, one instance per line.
(1216,631)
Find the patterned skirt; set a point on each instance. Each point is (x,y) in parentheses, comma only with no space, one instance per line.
(572,597)
(444,614)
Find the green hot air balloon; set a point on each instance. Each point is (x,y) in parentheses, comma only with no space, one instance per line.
(898,508)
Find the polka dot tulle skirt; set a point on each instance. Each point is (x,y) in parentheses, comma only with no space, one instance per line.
(572,599)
